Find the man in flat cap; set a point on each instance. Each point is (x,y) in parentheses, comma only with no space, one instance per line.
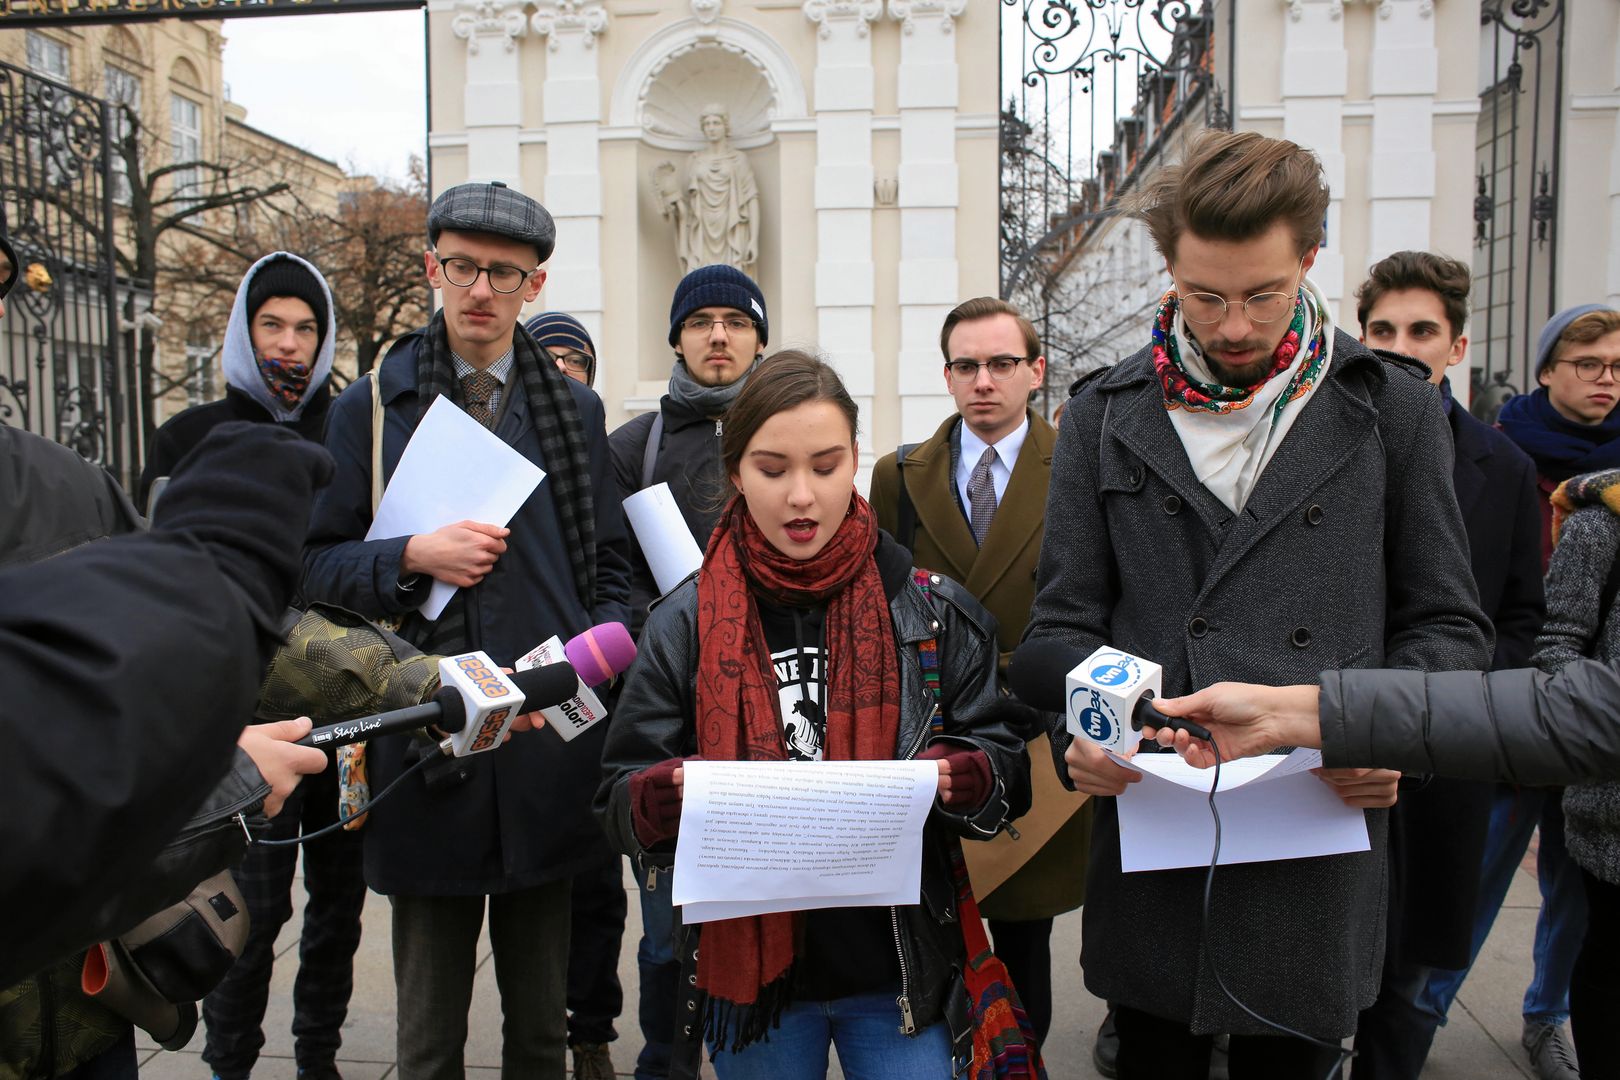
(500,830)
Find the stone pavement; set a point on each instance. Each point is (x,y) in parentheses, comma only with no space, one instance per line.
(1481,1042)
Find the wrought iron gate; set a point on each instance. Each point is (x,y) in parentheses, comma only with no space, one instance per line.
(1519,158)
(62,373)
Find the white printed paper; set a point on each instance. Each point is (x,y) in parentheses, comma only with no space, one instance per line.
(1271,808)
(661,531)
(763,836)
(453,469)
(573,716)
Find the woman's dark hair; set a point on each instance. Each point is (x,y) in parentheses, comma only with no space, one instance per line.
(782,381)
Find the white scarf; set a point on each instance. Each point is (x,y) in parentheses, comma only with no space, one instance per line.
(1229,450)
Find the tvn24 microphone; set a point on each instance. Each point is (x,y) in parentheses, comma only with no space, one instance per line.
(476,702)
(1106,697)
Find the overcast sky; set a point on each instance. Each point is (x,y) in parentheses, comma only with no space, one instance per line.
(347,87)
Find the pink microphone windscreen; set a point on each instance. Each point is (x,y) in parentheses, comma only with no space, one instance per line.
(601,652)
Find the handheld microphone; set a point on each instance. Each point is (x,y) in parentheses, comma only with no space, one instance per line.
(597,655)
(1106,697)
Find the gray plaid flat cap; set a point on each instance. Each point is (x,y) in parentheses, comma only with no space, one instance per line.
(493,208)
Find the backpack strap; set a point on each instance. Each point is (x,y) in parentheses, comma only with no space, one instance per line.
(649,453)
(905,532)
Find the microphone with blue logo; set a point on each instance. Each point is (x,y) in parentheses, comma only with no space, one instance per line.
(1107,697)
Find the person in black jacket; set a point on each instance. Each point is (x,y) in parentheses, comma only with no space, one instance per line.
(802,639)
(1416,303)
(276,359)
(718,329)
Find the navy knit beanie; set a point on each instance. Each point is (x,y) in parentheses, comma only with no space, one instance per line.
(284,277)
(557,328)
(717,286)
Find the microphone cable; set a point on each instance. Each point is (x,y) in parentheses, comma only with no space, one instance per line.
(1337,1069)
(365,808)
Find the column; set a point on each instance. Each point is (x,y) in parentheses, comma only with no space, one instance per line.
(492,97)
(843,194)
(1404,75)
(571,110)
(1314,81)
(929,283)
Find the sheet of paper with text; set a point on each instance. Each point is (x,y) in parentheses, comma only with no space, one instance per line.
(762,836)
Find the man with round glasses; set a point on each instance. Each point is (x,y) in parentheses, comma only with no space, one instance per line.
(1253,492)
(718,329)
(499,834)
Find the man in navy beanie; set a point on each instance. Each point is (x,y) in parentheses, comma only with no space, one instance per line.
(718,328)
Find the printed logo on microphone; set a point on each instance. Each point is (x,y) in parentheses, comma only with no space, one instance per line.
(1096,718)
(487,681)
(1116,670)
(489,732)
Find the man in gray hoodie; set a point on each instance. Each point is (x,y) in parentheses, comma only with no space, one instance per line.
(277,363)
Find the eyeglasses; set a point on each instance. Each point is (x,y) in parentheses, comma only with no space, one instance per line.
(1207,309)
(463,273)
(1589,370)
(574,361)
(1001,368)
(702,324)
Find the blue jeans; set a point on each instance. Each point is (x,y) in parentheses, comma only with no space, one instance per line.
(866,1030)
(660,971)
(1560,926)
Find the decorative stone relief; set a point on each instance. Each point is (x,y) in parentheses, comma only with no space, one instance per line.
(706,11)
(588,17)
(826,13)
(478,20)
(906,12)
(713,201)
(692,76)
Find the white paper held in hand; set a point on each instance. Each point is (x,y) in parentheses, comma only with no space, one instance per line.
(572,716)
(453,469)
(661,531)
(764,836)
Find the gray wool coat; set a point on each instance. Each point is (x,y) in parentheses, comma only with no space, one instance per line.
(1576,627)
(1331,564)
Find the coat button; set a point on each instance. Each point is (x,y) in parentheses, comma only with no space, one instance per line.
(1301,637)
(933,579)
(691,980)
(687,1031)
(691,1006)
(1198,627)
(1172,504)
(1136,476)
(1313,516)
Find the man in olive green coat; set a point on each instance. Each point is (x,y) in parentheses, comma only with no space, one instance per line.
(970,504)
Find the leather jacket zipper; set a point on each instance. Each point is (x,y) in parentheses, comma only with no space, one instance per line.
(908,1026)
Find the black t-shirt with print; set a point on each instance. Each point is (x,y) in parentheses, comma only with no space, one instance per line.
(846,950)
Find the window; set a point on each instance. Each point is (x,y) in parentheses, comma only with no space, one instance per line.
(200,354)
(47,56)
(185,135)
(123,89)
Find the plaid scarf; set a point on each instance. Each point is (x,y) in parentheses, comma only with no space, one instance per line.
(745,964)
(562,446)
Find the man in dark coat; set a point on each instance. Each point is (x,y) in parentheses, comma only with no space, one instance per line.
(502,829)
(1254,495)
(1416,304)
(276,359)
(993,456)
(718,329)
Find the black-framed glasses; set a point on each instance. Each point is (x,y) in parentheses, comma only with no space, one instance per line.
(702,324)
(574,361)
(1001,368)
(463,273)
(1588,369)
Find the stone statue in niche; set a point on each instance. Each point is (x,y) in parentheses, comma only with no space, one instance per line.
(715,204)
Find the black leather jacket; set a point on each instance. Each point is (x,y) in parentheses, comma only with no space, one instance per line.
(655,722)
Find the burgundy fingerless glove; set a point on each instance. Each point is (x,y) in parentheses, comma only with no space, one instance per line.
(971,782)
(655,803)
